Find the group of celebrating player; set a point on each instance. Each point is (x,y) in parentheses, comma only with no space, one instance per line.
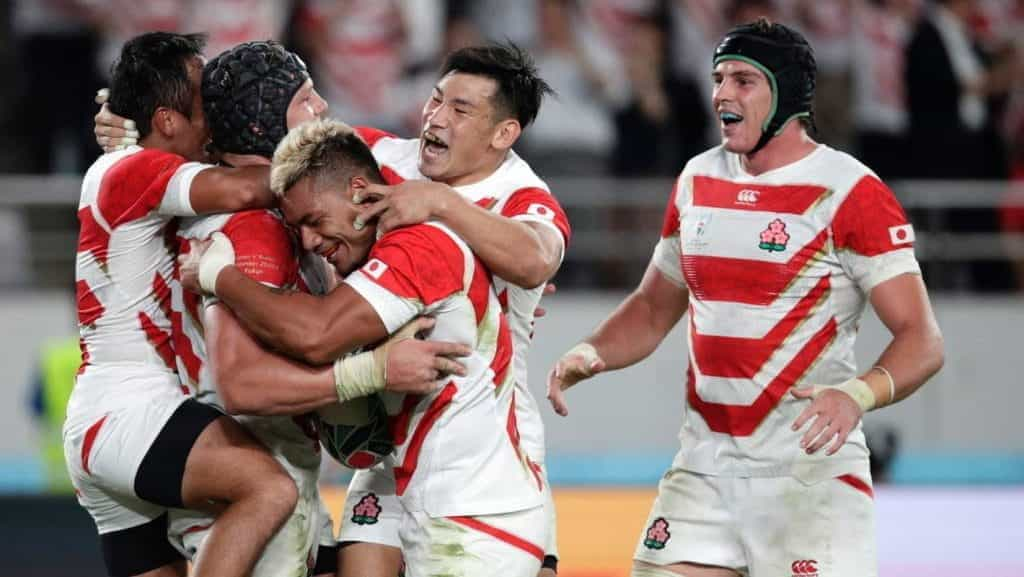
(421,265)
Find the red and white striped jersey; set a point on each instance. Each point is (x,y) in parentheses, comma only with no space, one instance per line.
(516,192)
(125,270)
(778,267)
(265,253)
(457,450)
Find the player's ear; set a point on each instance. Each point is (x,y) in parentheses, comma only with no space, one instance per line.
(357,186)
(506,133)
(164,122)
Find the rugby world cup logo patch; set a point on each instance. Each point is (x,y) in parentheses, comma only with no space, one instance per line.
(657,534)
(367,510)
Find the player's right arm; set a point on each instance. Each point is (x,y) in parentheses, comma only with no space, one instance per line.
(630,334)
(636,328)
(254,381)
(210,190)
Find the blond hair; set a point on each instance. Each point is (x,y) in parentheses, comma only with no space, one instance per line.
(317,148)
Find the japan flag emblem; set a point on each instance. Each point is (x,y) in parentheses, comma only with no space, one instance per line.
(375,268)
(541,210)
(903,234)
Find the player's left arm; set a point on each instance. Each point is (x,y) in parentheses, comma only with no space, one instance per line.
(538,247)
(875,244)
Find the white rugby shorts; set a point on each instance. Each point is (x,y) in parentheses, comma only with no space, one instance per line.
(763,526)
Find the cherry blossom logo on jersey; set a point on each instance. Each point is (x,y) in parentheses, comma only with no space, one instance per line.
(805,568)
(657,534)
(367,510)
(375,268)
(775,237)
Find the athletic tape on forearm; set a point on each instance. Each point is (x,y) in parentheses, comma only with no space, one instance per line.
(358,375)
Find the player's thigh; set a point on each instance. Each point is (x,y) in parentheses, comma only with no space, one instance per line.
(226,463)
(825,528)
(105,455)
(369,559)
(507,544)
(290,551)
(641,569)
(691,521)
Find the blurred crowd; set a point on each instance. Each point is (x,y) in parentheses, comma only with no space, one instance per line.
(632,76)
(915,88)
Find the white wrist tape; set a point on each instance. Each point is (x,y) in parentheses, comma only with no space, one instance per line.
(219,255)
(359,375)
(859,390)
(588,353)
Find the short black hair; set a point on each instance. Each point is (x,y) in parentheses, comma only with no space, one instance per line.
(520,89)
(152,72)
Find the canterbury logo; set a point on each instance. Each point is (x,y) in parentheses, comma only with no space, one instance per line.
(747,196)
(805,568)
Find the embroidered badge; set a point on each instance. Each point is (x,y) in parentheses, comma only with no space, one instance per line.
(657,534)
(367,510)
(775,237)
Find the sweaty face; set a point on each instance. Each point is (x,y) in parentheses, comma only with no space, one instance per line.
(323,216)
(458,126)
(742,101)
(306,105)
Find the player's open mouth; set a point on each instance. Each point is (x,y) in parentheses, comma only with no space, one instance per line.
(327,254)
(433,146)
(728,118)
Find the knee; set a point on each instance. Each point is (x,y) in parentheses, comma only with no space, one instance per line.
(277,494)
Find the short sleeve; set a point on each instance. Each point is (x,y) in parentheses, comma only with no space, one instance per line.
(670,223)
(408,270)
(139,184)
(177,201)
(263,248)
(873,239)
(538,205)
(668,255)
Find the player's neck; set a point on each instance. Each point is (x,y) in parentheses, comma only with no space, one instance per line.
(792,145)
(240,160)
(485,170)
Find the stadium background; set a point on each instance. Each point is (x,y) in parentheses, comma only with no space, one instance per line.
(633,105)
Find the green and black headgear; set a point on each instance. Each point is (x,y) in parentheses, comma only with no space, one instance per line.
(786,58)
(246,92)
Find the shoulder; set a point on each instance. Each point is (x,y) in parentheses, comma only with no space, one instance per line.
(711,161)
(372,135)
(431,240)
(520,175)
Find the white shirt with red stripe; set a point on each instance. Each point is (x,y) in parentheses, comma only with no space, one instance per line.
(778,267)
(516,192)
(125,271)
(456,450)
(265,253)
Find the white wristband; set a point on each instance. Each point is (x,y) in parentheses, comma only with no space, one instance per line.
(359,375)
(219,255)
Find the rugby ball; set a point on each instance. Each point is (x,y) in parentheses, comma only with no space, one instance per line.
(356,433)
